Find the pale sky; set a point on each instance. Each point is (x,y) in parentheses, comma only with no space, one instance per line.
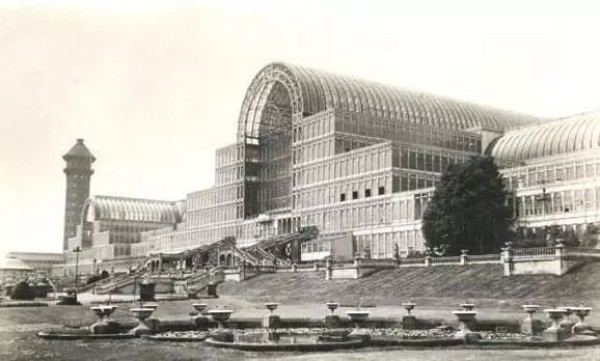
(154,87)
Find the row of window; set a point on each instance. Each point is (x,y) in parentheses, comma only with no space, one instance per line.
(429,160)
(228,155)
(316,246)
(330,193)
(367,193)
(383,245)
(365,214)
(371,159)
(537,176)
(315,126)
(559,202)
(392,129)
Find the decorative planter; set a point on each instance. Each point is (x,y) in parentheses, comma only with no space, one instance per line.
(103,312)
(141,314)
(271,306)
(467,306)
(332,306)
(151,305)
(220,316)
(200,307)
(527,323)
(581,327)
(409,306)
(554,332)
(566,323)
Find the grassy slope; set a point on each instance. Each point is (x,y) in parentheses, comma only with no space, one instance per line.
(393,286)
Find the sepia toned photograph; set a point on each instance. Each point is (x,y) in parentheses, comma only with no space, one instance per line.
(299,180)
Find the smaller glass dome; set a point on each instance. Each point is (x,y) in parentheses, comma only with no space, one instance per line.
(565,135)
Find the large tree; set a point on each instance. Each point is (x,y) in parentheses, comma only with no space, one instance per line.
(468,210)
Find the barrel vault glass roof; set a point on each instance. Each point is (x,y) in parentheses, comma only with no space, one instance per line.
(311,91)
(565,135)
(133,209)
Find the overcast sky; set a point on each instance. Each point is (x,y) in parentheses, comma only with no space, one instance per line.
(154,87)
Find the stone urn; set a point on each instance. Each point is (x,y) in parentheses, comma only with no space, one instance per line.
(566,323)
(332,306)
(220,316)
(554,332)
(271,306)
(103,311)
(530,309)
(200,317)
(527,323)
(582,328)
(465,319)
(141,314)
(200,308)
(103,325)
(409,306)
(467,306)
(152,305)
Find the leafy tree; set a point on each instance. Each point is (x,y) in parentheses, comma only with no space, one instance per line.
(468,210)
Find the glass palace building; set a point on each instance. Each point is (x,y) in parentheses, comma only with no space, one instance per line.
(359,161)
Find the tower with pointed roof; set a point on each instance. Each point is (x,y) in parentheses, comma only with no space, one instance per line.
(79,172)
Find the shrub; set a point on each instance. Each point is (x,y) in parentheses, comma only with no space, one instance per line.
(22,291)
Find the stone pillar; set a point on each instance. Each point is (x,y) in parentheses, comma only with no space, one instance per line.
(328,268)
(464,258)
(559,252)
(507,259)
(428,261)
(271,321)
(409,322)
(294,268)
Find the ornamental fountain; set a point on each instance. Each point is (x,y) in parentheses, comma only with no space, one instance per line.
(582,328)
(221,316)
(143,327)
(465,319)
(554,332)
(104,325)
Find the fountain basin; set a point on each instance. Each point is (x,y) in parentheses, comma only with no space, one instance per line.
(285,342)
(358,316)
(83,336)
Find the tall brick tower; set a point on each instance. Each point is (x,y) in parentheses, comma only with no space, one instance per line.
(79,172)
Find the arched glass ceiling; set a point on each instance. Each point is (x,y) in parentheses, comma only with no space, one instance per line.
(566,135)
(132,209)
(312,91)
